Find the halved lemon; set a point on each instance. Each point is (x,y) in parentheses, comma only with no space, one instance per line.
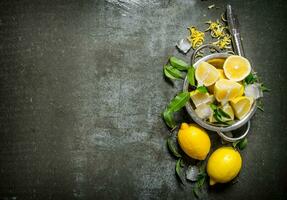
(224,90)
(206,74)
(221,76)
(236,68)
(241,106)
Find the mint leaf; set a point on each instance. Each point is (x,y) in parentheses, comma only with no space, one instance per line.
(168,118)
(264,88)
(213,106)
(172,73)
(241,144)
(178,64)
(202,89)
(223,114)
(196,192)
(179,171)
(251,78)
(178,102)
(172,148)
(260,105)
(190,75)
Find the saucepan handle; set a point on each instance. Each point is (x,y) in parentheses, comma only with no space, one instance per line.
(231,139)
(211,46)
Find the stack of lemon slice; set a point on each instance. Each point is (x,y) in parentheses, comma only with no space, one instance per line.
(225,88)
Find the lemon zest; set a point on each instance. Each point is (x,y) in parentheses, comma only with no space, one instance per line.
(216,29)
(196,37)
(223,43)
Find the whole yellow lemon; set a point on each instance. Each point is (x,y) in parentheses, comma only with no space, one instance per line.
(194,141)
(223,165)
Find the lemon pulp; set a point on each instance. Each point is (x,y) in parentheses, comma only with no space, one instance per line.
(236,68)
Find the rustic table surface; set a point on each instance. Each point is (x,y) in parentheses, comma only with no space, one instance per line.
(82,91)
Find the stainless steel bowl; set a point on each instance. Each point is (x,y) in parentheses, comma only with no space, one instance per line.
(220,129)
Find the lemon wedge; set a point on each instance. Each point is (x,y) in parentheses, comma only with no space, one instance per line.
(206,74)
(236,68)
(221,76)
(199,98)
(228,110)
(241,106)
(224,90)
(211,118)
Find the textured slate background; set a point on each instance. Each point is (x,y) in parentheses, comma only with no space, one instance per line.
(82,90)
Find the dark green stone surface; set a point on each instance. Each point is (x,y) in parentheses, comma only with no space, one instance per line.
(82,91)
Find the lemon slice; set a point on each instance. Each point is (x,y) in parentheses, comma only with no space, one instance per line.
(224,90)
(206,74)
(201,98)
(241,106)
(236,68)
(221,76)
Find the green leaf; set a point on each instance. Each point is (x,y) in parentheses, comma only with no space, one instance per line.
(223,114)
(182,163)
(202,166)
(251,78)
(213,106)
(242,144)
(196,192)
(202,89)
(178,102)
(172,72)
(220,119)
(179,171)
(168,118)
(202,174)
(172,148)
(260,108)
(190,75)
(178,64)
(260,105)
(220,116)
(234,144)
(264,88)
(201,181)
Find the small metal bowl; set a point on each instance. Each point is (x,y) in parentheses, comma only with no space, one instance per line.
(220,129)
